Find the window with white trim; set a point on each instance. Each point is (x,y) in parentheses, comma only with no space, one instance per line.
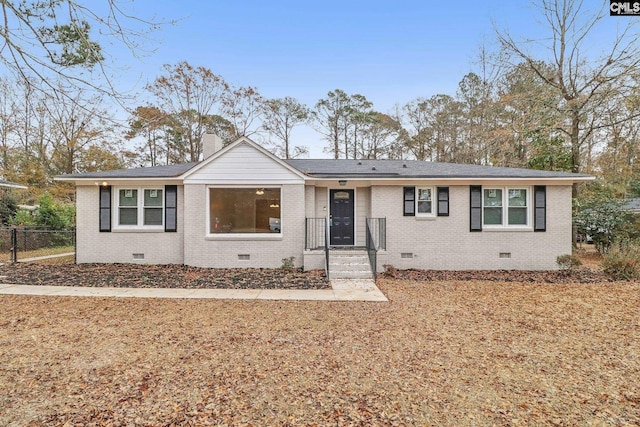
(424,201)
(505,207)
(244,211)
(140,207)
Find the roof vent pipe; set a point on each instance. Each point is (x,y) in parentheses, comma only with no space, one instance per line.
(211,143)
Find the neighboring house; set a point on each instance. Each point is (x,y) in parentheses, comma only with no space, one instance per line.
(244,207)
(9,184)
(631,205)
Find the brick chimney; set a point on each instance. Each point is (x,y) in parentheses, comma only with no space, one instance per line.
(211,143)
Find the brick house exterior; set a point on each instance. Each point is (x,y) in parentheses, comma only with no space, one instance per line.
(244,207)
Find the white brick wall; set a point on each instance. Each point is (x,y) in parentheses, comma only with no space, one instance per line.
(94,246)
(202,252)
(446,242)
(440,243)
(322,202)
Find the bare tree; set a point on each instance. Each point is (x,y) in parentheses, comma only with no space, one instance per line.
(378,135)
(584,83)
(280,116)
(149,123)
(55,43)
(74,127)
(7,120)
(189,95)
(243,108)
(415,115)
(329,117)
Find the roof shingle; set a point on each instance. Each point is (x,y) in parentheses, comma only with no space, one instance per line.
(334,169)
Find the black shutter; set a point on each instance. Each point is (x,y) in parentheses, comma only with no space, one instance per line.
(409,201)
(170,208)
(443,201)
(105,208)
(540,208)
(476,208)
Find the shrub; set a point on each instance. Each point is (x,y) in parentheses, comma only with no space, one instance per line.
(8,207)
(288,264)
(389,270)
(601,217)
(22,217)
(568,262)
(623,262)
(53,215)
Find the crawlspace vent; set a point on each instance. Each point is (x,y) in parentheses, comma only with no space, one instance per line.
(244,257)
(138,256)
(505,254)
(406,255)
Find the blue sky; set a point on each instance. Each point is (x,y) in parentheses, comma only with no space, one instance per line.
(391,52)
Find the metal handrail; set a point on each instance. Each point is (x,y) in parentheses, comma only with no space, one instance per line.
(314,233)
(376,239)
(378,228)
(316,236)
(372,251)
(326,246)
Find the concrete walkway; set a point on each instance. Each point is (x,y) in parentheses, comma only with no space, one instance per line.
(342,290)
(42,258)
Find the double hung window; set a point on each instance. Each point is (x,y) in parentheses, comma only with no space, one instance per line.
(140,207)
(505,207)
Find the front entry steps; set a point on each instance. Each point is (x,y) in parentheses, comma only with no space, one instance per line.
(349,264)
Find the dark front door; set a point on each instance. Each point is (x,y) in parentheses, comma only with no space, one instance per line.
(341,217)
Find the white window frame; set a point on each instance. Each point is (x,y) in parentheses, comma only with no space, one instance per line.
(505,209)
(140,206)
(433,202)
(242,236)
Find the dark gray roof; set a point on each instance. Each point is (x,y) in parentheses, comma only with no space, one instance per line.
(326,168)
(335,169)
(167,171)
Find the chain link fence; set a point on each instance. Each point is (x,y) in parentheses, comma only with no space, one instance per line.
(31,244)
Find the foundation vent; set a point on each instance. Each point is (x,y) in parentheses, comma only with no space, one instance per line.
(406,255)
(138,256)
(244,257)
(505,254)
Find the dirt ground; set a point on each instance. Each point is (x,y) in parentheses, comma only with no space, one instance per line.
(438,353)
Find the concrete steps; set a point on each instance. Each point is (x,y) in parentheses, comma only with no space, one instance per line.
(349,264)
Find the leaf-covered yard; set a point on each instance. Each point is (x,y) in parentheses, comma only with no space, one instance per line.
(439,353)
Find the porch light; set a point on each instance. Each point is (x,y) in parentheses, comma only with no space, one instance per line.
(260,191)
(274,205)
(342,182)
(104,183)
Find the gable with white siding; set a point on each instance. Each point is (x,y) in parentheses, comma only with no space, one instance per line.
(243,164)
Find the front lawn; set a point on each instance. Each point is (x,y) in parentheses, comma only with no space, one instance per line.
(439,353)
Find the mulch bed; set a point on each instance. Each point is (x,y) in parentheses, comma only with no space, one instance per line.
(583,275)
(160,276)
(181,276)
